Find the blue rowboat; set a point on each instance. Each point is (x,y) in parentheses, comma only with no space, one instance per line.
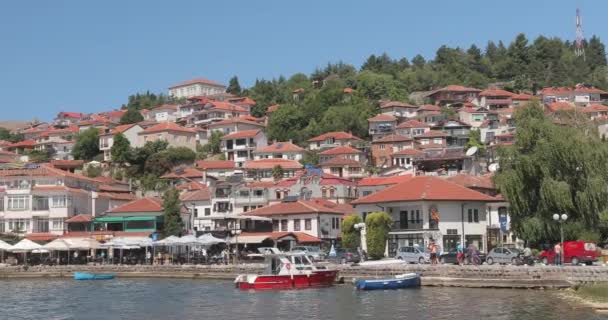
(408,280)
(92,276)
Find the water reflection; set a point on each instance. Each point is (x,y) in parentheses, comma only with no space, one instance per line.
(187,299)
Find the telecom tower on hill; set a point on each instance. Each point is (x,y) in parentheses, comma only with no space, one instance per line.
(579,49)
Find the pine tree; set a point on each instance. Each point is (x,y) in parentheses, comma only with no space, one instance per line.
(173,224)
(234,87)
(120,149)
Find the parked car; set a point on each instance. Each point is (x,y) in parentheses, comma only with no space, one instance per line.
(412,255)
(311,251)
(451,257)
(502,255)
(345,256)
(575,252)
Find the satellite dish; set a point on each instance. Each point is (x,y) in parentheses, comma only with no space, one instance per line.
(493,167)
(471,151)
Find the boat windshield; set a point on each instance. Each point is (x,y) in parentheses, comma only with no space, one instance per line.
(301,260)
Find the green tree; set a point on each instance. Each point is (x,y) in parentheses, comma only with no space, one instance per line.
(93,171)
(310,157)
(213,146)
(121,149)
(554,169)
(277,173)
(377,224)
(131,116)
(173,224)
(351,238)
(87,145)
(233,86)
(475,141)
(39,156)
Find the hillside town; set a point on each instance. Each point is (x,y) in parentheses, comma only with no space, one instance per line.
(418,164)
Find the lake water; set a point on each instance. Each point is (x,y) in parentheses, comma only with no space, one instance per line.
(218,300)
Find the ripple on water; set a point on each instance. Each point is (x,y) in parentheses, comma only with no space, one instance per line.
(194,299)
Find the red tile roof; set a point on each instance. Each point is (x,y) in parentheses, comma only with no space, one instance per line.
(279,147)
(81,218)
(109,188)
(25,144)
(398,104)
(226,106)
(71,115)
(382,118)
(41,237)
(348,90)
(271,163)
(202,194)
(67,163)
(167,126)
(190,186)
(566,91)
(197,80)
(242,119)
(120,129)
(113,113)
(215,164)
(242,100)
(121,196)
(392,138)
(340,135)
(272,108)
(559,106)
(296,207)
(140,205)
(469,181)
(241,134)
(340,150)
(412,124)
(183,173)
(456,88)
(341,161)
(594,108)
(383,181)
(301,237)
(425,188)
(496,93)
(473,110)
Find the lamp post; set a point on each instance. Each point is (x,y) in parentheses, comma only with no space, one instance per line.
(361,228)
(561,219)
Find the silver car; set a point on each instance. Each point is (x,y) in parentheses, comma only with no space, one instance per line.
(503,255)
(412,255)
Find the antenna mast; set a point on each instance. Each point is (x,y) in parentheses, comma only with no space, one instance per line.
(579,49)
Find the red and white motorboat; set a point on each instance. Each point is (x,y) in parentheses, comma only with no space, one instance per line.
(287,271)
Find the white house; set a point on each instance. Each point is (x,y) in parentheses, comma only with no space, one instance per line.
(130,131)
(280,150)
(239,146)
(429,208)
(196,87)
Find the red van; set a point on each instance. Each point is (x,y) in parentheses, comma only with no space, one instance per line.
(575,252)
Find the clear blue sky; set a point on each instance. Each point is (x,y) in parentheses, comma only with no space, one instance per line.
(90,55)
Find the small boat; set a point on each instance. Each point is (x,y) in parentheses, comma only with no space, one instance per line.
(92,276)
(408,280)
(287,271)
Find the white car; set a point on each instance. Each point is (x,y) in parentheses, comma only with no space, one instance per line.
(413,255)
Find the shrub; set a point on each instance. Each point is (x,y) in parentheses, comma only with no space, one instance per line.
(378,224)
(351,238)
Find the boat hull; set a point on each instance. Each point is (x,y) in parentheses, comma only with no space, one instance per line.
(92,276)
(277,282)
(388,284)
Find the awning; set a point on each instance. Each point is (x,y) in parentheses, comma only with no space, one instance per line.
(122,219)
(253,218)
(248,239)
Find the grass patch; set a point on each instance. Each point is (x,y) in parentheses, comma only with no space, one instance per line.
(595,292)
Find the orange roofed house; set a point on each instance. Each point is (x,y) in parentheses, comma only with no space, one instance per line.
(453,95)
(196,87)
(239,146)
(344,162)
(174,134)
(332,140)
(425,208)
(130,131)
(280,150)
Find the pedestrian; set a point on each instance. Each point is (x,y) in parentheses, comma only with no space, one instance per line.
(558,254)
(433,250)
(459,253)
(148,257)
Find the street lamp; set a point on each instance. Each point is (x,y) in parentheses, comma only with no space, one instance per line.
(561,219)
(361,228)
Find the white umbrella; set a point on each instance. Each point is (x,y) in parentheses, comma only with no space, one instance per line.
(187,240)
(83,244)
(207,239)
(57,245)
(25,245)
(168,241)
(40,251)
(4,246)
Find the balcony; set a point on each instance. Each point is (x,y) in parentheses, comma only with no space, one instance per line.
(413,225)
(245,200)
(499,102)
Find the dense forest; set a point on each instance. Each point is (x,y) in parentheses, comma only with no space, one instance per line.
(521,66)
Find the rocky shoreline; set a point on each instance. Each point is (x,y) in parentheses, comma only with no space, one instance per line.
(537,277)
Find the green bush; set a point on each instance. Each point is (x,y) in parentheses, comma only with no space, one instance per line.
(351,239)
(378,224)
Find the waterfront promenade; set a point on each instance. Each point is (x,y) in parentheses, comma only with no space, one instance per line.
(549,277)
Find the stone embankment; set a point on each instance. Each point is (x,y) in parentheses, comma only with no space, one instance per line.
(432,275)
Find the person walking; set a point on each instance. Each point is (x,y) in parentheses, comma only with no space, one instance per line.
(433,250)
(460,253)
(558,254)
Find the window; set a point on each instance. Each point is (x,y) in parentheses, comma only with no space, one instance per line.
(195,212)
(307,224)
(59,202)
(17,203)
(382,147)
(332,193)
(403,220)
(40,203)
(338,223)
(57,224)
(207,211)
(275,225)
(283,225)
(18,225)
(244,193)
(296,225)
(2,226)
(473,215)
(366,193)
(258,193)
(278,194)
(333,223)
